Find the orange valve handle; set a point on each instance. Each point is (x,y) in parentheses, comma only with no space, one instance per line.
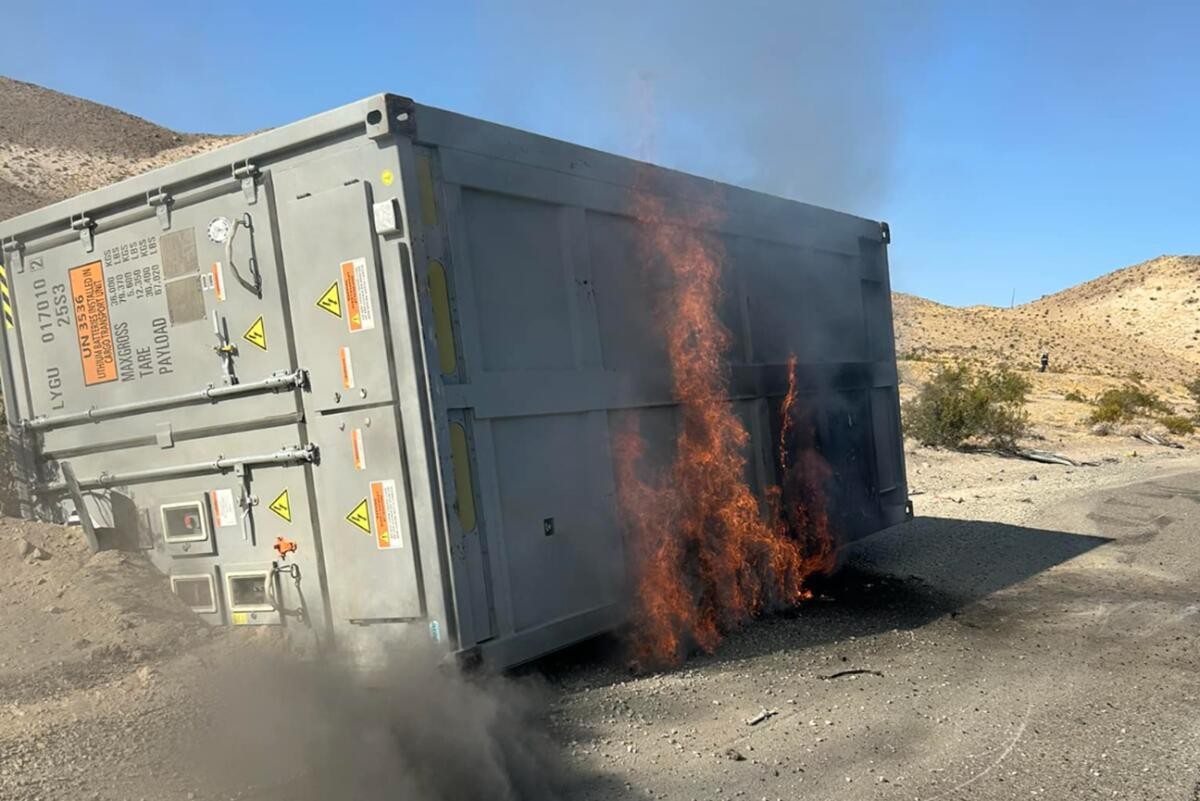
(284,546)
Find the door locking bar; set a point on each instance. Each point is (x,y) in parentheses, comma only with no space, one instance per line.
(307,454)
(296,379)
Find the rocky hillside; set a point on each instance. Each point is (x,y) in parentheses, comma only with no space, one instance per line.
(1144,319)
(53,146)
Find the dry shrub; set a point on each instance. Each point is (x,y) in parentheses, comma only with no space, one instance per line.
(1178,424)
(961,404)
(1125,403)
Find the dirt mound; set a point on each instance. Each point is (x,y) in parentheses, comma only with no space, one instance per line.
(88,614)
(54,146)
(1142,319)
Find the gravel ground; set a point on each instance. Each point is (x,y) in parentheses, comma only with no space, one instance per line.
(1019,638)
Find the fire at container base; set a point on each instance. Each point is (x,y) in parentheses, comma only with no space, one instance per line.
(376,372)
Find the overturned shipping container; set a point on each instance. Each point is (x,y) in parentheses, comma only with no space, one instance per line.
(361,374)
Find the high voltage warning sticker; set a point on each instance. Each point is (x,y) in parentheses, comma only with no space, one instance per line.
(282,506)
(331,301)
(256,334)
(361,516)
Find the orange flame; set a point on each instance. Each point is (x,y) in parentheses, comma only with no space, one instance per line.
(706,557)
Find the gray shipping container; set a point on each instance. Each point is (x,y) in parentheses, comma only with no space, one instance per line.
(400,340)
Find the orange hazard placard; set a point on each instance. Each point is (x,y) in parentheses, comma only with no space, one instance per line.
(90,300)
(360,311)
(385,509)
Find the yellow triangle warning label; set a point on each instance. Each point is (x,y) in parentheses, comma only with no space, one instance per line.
(282,506)
(257,334)
(361,517)
(331,301)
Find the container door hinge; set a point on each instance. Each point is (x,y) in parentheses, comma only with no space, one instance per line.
(11,250)
(247,173)
(161,202)
(86,227)
(885,233)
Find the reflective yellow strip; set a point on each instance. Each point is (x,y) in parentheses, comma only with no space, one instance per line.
(461,459)
(8,318)
(443,327)
(429,211)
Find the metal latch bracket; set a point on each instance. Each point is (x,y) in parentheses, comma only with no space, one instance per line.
(12,255)
(161,202)
(247,173)
(86,227)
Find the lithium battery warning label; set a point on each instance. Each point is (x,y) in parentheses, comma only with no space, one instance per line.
(92,327)
(360,310)
(385,511)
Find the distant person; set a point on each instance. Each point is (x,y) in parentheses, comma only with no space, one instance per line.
(1045,362)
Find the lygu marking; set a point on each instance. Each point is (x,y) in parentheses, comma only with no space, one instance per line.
(54,386)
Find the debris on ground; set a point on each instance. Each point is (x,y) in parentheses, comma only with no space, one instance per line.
(852,672)
(1154,439)
(761,716)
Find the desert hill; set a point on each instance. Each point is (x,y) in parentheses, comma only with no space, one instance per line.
(1140,319)
(53,146)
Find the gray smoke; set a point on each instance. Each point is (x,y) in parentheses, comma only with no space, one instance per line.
(277,727)
(790,98)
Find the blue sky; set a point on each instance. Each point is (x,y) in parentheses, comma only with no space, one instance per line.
(1011,145)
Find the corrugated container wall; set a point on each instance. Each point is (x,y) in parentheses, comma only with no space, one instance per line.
(360,374)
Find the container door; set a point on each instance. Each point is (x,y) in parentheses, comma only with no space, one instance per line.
(159,308)
(340,316)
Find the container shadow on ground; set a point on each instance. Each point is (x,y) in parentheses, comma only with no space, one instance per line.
(899,579)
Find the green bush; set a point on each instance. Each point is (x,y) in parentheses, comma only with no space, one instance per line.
(1193,388)
(1124,404)
(1075,395)
(961,403)
(1178,424)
